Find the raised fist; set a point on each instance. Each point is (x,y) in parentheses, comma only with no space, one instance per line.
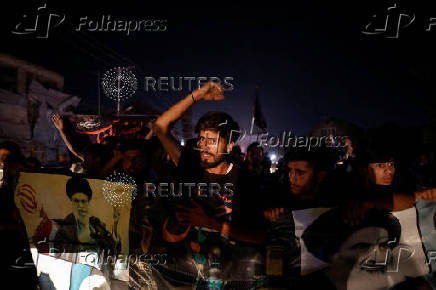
(209,91)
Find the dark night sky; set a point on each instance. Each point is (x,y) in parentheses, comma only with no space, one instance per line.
(310,61)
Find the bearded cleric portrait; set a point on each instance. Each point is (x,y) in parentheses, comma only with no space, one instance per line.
(79,231)
(67,215)
(384,250)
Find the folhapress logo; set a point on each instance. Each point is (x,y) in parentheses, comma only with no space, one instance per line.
(389,24)
(393,20)
(43,21)
(40,23)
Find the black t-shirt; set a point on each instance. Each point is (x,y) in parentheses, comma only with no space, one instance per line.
(241,194)
(214,192)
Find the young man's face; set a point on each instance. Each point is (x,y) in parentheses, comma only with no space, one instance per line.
(383,172)
(80,203)
(302,177)
(213,148)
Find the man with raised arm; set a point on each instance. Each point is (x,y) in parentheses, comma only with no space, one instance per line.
(211,215)
(217,134)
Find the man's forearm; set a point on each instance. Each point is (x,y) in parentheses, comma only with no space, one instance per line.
(398,201)
(170,116)
(161,125)
(402,201)
(70,146)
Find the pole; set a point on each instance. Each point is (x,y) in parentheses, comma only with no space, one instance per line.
(98,87)
(118,101)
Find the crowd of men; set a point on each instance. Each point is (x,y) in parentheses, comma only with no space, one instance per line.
(251,211)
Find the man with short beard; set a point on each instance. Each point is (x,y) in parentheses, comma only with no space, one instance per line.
(215,227)
(217,134)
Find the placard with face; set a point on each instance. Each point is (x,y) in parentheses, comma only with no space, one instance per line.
(67,218)
(382,251)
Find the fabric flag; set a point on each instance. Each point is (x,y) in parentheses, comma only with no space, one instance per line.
(187,127)
(258,118)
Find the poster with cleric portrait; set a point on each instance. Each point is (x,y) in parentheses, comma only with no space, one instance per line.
(73,227)
(385,250)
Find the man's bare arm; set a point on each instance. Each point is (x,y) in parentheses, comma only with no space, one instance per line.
(59,124)
(354,213)
(401,201)
(209,91)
